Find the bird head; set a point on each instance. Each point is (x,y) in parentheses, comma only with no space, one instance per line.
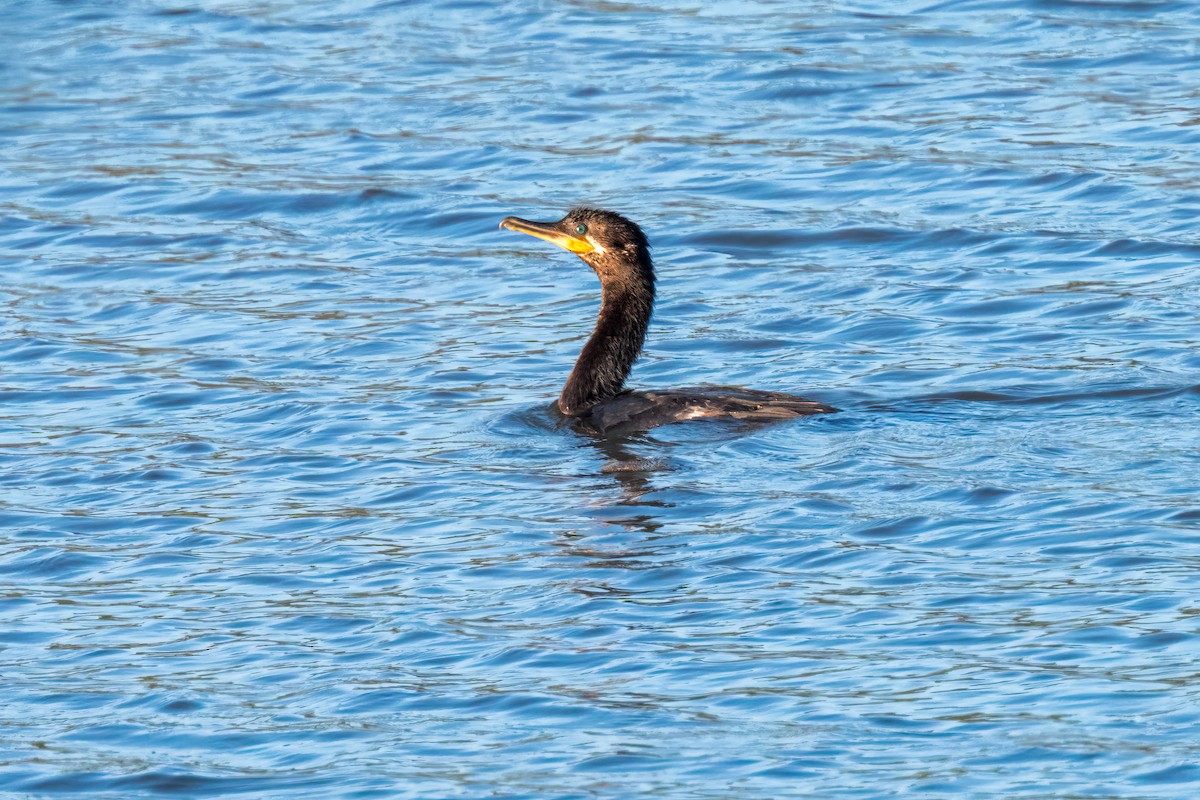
(605,240)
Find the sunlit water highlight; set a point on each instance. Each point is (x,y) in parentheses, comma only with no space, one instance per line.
(282,509)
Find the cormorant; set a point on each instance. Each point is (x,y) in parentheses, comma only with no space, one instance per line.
(618,252)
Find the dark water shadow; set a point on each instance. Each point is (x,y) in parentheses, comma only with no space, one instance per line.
(934,401)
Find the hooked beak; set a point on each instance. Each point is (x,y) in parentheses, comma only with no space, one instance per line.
(551,232)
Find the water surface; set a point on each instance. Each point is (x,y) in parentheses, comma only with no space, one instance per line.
(283,511)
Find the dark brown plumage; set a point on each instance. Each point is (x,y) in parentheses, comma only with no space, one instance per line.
(617,251)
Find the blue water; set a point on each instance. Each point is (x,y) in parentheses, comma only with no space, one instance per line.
(283,512)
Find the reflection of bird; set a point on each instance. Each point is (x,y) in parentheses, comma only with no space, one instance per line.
(617,251)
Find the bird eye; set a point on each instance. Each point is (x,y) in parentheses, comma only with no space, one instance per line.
(581,229)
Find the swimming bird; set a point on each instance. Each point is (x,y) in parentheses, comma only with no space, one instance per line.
(595,395)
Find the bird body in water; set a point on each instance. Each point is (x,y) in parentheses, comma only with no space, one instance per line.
(618,252)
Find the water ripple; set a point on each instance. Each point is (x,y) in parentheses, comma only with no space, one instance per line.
(284,507)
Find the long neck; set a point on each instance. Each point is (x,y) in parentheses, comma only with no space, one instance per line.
(604,364)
